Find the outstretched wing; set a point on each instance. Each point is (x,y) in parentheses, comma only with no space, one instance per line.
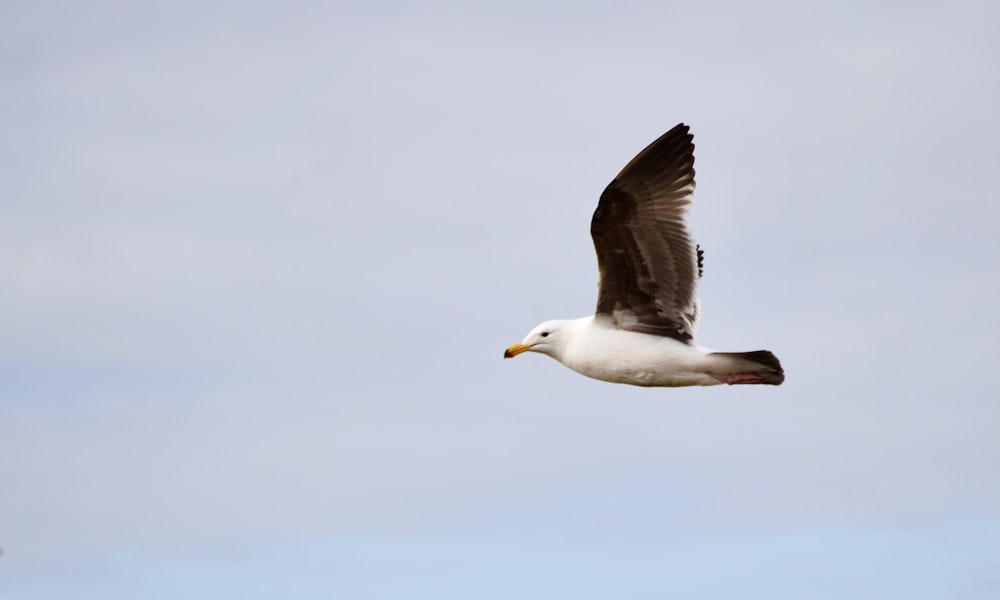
(649,266)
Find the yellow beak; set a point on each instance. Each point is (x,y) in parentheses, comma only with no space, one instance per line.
(515,350)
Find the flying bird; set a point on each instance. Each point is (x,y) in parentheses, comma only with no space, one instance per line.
(647,312)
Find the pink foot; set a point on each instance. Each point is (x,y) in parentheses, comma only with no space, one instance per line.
(734,378)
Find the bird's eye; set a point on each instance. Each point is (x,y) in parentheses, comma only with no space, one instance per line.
(545,334)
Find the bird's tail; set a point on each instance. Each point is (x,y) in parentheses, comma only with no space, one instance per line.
(759,366)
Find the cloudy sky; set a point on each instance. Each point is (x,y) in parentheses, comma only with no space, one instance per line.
(259,262)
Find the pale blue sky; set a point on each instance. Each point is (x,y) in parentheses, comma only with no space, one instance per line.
(259,262)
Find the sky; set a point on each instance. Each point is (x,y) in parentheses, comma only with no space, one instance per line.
(259,262)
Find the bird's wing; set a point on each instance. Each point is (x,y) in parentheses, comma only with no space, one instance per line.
(649,266)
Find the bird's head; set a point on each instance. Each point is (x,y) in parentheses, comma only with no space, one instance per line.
(545,339)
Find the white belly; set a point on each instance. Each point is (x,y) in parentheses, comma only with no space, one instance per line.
(638,359)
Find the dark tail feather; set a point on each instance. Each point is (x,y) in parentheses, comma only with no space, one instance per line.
(759,366)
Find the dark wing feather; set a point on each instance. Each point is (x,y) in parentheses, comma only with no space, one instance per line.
(649,265)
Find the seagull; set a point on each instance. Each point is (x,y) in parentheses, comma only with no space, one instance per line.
(647,312)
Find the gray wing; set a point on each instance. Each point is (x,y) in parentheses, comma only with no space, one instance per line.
(649,265)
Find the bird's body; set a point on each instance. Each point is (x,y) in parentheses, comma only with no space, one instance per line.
(647,312)
(594,347)
(597,349)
